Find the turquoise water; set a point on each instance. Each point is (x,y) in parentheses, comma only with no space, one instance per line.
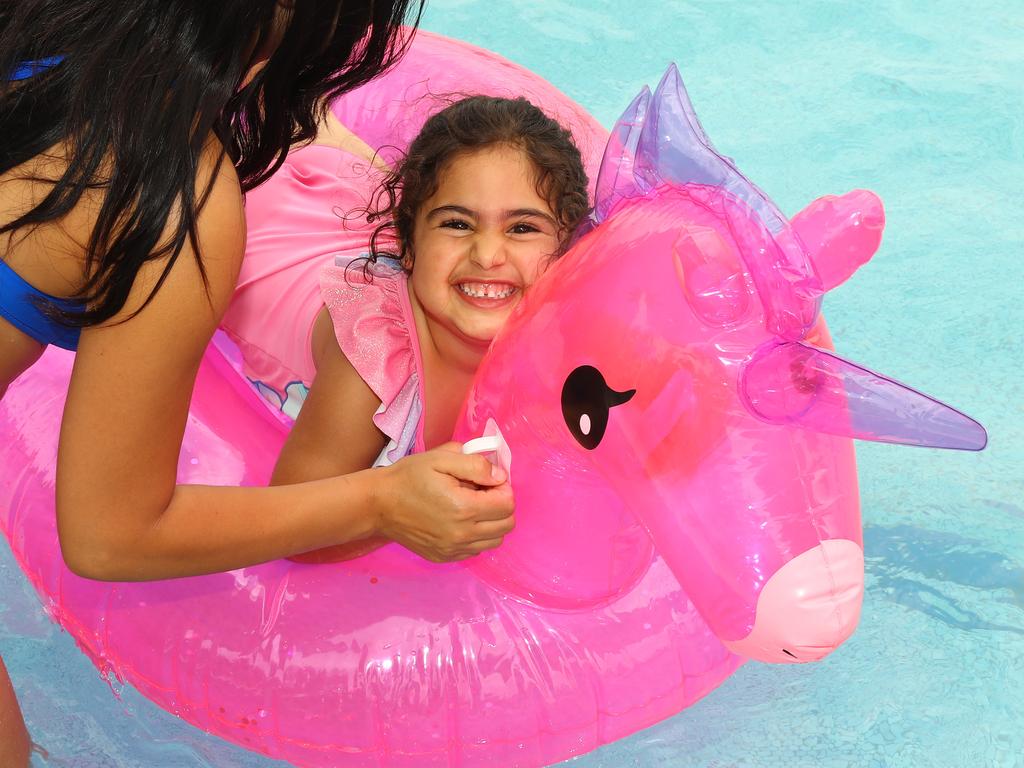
(922,102)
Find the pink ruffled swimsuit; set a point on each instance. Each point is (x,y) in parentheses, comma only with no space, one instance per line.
(304,228)
(375,328)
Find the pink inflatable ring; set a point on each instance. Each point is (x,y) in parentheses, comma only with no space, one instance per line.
(678,435)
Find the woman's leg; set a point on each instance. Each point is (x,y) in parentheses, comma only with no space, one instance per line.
(332,132)
(14,741)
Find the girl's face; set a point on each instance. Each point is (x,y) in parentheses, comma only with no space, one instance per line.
(479,242)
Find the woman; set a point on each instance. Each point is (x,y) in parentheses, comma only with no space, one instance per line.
(128,134)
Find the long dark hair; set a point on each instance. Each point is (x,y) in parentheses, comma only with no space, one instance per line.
(469,124)
(142,85)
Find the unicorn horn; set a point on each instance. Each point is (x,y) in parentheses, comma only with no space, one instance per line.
(798,384)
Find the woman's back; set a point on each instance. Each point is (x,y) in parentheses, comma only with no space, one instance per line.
(50,257)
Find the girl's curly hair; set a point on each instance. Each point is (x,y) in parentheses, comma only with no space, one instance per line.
(470,124)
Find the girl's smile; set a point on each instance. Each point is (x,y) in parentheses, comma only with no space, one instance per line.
(486,294)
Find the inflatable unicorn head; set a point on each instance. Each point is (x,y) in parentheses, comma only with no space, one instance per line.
(669,389)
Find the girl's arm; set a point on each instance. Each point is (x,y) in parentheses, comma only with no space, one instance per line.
(334,433)
(120,514)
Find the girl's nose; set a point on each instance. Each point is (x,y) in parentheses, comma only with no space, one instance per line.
(489,251)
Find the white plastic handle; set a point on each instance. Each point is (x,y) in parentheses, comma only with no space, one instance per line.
(492,443)
(485,444)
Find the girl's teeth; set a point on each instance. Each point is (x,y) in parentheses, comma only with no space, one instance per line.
(486,290)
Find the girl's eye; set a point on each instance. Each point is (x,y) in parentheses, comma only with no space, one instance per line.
(455,224)
(522,228)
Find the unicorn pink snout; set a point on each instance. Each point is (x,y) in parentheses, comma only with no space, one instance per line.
(808,607)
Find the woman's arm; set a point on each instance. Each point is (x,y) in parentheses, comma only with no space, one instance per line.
(122,517)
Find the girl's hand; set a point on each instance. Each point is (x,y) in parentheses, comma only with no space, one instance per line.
(444,505)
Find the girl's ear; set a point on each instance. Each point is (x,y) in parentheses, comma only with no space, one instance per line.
(407,260)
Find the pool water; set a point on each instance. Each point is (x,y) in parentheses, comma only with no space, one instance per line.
(923,103)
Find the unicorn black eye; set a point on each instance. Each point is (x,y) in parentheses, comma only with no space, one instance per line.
(586,402)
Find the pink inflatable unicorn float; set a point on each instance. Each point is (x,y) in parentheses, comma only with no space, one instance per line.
(677,431)
(670,387)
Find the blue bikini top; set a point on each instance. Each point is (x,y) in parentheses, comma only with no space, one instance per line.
(19,305)
(26,69)
(19,301)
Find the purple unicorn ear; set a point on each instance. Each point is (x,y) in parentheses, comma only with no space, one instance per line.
(615,179)
(673,149)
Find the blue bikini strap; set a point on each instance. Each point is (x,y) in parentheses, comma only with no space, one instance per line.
(27,69)
(19,306)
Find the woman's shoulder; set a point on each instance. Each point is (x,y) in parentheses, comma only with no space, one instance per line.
(218,187)
(220,227)
(52,255)
(208,264)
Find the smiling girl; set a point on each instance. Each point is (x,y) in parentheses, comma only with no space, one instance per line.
(489,192)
